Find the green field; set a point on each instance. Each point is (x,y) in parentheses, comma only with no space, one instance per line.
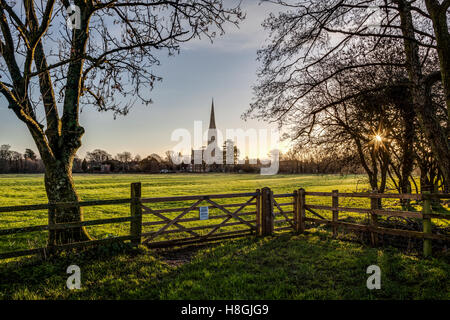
(287,266)
(29,189)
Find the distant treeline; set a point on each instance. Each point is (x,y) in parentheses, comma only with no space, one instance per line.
(100,161)
(16,162)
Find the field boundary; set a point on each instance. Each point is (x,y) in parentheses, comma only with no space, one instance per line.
(270,215)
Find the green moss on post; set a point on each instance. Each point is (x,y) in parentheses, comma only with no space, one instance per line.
(136,213)
(258,213)
(301,208)
(374,205)
(426,223)
(267,212)
(335,204)
(296,212)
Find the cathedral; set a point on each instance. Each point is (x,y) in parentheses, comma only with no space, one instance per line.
(211,158)
(212,146)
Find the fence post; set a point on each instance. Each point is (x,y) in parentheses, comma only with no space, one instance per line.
(426,222)
(51,225)
(258,213)
(374,219)
(296,212)
(52,241)
(335,205)
(266,212)
(136,213)
(301,210)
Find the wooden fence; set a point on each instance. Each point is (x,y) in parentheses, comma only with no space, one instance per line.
(269,213)
(375,211)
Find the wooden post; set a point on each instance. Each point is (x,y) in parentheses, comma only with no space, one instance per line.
(136,213)
(51,226)
(258,213)
(267,212)
(301,208)
(335,205)
(270,217)
(426,210)
(296,212)
(52,242)
(374,205)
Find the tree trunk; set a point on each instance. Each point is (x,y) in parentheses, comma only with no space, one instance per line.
(60,188)
(436,135)
(438,14)
(407,160)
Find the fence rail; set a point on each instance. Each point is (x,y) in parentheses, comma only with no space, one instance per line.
(212,230)
(375,211)
(269,213)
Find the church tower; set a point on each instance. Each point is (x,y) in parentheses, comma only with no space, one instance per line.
(212,131)
(212,134)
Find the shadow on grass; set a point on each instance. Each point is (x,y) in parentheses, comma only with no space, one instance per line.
(283,267)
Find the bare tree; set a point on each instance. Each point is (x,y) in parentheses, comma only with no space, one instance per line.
(29,154)
(48,71)
(5,152)
(439,14)
(98,156)
(311,33)
(124,158)
(168,159)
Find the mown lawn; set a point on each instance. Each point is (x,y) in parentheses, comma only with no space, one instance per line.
(288,266)
(29,189)
(283,267)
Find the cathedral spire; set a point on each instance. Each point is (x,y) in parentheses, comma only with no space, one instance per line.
(212,121)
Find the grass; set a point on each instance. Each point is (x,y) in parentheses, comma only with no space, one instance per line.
(284,267)
(29,189)
(287,266)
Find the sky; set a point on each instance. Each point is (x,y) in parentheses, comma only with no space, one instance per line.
(224,70)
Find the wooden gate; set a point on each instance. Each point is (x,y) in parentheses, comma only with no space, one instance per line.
(172,221)
(228,215)
(284,209)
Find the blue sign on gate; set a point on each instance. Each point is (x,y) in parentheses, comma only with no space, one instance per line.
(204,213)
